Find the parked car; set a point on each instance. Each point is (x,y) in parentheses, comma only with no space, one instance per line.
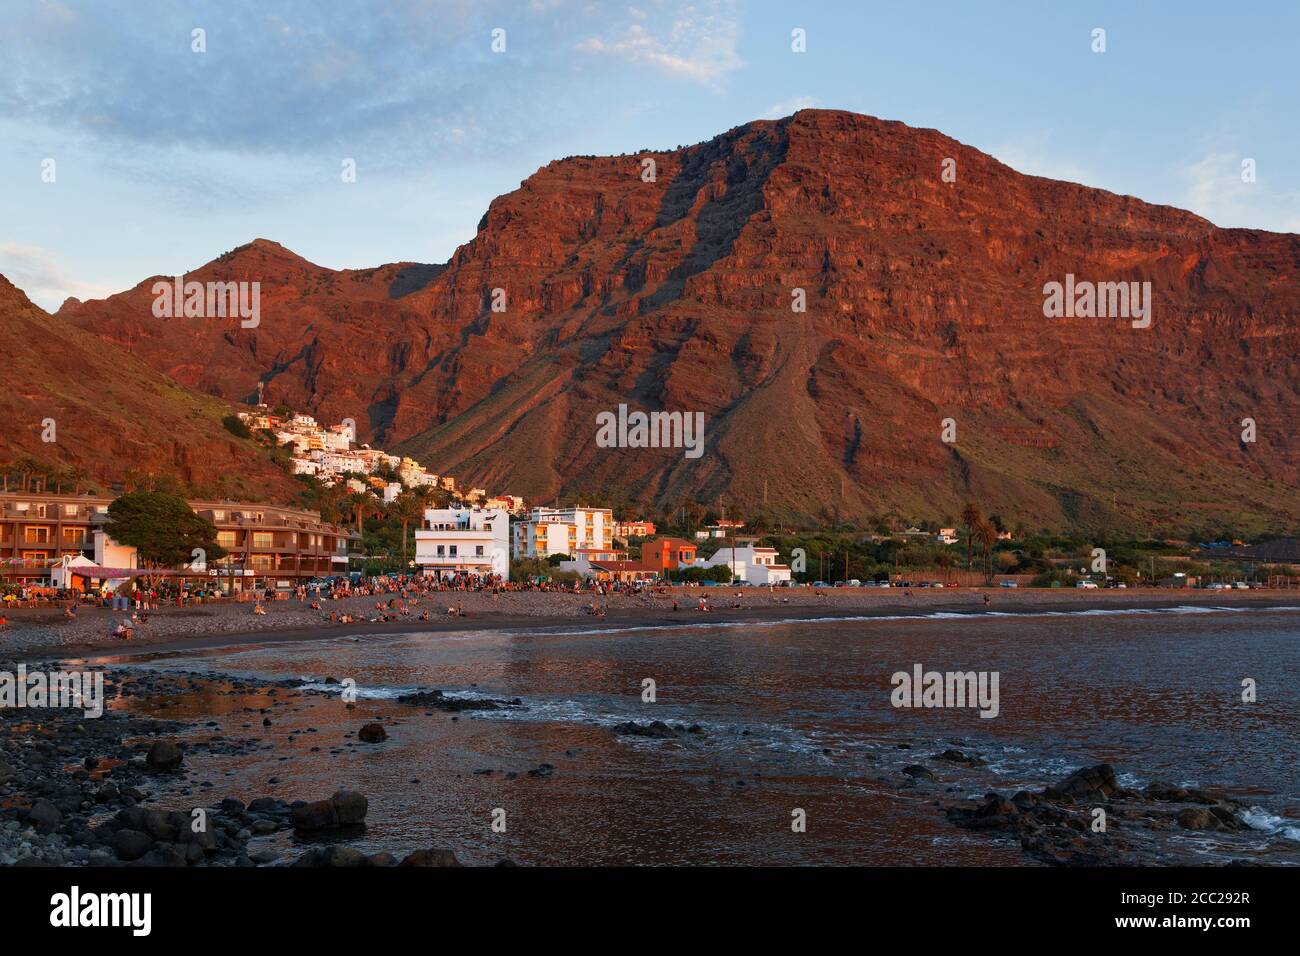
(1241,586)
(1092,585)
(1008,584)
(820,584)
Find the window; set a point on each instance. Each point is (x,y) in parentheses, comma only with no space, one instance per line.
(226,539)
(263,539)
(452,550)
(38,535)
(441,551)
(74,536)
(70,511)
(478,551)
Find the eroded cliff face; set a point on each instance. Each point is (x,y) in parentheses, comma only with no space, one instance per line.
(924,302)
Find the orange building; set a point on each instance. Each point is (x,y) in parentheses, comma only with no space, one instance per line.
(667,554)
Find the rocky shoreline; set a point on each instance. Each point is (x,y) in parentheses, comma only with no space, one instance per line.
(76,791)
(92,792)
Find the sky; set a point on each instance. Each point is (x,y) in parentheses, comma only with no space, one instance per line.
(164,156)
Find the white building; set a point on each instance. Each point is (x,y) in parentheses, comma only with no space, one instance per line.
(750,563)
(548,531)
(469,540)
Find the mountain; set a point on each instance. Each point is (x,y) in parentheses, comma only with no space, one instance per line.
(112,414)
(924,302)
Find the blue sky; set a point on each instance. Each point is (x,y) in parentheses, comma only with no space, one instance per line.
(165,158)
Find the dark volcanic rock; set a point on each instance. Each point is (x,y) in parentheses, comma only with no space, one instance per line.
(656,729)
(345,808)
(1089,783)
(164,755)
(431,857)
(372,733)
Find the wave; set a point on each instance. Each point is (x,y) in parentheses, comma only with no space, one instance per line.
(974,615)
(1257,818)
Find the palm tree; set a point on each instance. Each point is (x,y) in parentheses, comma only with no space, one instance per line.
(988,537)
(970,517)
(78,476)
(406,508)
(360,503)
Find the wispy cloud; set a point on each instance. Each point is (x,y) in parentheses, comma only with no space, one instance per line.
(1215,189)
(1035,156)
(693,41)
(45,280)
(793,105)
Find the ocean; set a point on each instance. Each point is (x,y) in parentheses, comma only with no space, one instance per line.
(793,716)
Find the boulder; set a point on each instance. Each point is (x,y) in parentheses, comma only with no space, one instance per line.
(164,755)
(345,808)
(131,844)
(44,816)
(372,734)
(431,857)
(1087,783)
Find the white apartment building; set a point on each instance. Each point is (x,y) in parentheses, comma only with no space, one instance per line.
(469,540)
(548,531)
(749,563)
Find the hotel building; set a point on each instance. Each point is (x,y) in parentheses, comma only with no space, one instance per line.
(269,546)
(473,541)
(548,531)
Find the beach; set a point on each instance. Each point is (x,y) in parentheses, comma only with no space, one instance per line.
(43,631)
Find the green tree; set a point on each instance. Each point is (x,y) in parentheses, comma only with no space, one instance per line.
(235,425)
(162,528)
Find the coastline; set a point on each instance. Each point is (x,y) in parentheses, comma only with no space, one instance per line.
(42,633)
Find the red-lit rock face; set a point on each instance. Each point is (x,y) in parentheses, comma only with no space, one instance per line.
(924,301)
(112,414)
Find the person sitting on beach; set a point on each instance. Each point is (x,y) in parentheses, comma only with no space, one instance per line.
(703,605)
(70,612)
(258,609)
(424,615)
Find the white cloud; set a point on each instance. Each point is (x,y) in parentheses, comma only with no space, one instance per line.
(1214,189)
(784,108)
(1032,155)
(697,44)
(39,273)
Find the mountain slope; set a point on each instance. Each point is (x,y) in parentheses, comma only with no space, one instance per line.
(113,414)
(924,302)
